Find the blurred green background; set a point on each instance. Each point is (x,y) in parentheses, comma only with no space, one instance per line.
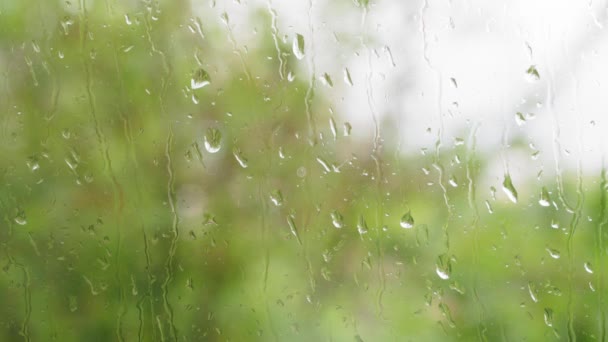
(163,181)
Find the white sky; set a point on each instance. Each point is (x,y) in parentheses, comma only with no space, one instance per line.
(486,46)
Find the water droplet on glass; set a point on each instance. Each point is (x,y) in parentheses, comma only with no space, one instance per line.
(532,291)
(347,129)
(292,227)
(298,46)
(453,182)
(336,219)
(548,317)
(532,74)
(362,225)
(520,119)
(489,207)
(443,268)
(324,164)
(588,268)
(554,253)
(213,139)
(326,79)
(407,221)
(347,77)
(277,198)
(32,164)
(66,23)
(509,189)
(238,155)
(544,200)
(20,218)
(291,76)
(454,83)
(200,78)
(334,129)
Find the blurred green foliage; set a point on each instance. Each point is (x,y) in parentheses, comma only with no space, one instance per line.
(118,223)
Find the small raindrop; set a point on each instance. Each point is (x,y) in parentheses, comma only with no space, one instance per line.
(337,219)
(347,78)
(213,139)
(238,155)
(291,76)
(32,164)
(362,225)
(407,221)
(554,253)
(520,119)
(347,129)
(200,78)
(292,227)
(298,46)
(544,199)
(326,79)
(509,189)
(66,23)
(324,164)
(453,182)
(301,172)
(20,218)
(588,268)
(276,197)
(533,294)
(334,129)
(454,83)
(443,268)
(548,317)
(532,74)
(489,207)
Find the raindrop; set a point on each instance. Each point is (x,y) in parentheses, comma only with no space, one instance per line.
(533,294)
(200,78)
(72,303)
(548,317)
(20,218)
(509,189)
(443,268)
(213,139)
(334,129)
(32,164)
(298,46)
(532,74)
(362,225)
(520,119)
(66,23)
(347,129)
(588,268)
(544,200)
(276,197)
(292,228)
(407,221)
(489,207)
(554,253)
(324,164)
(453,182)
(347,77)
(238,155)
(336,219)
(326,79)
(301,172)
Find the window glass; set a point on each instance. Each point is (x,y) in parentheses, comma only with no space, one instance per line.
(259,170)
